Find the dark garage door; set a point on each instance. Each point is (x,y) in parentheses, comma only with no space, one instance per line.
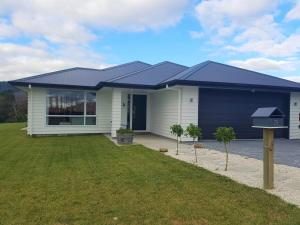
(234,108)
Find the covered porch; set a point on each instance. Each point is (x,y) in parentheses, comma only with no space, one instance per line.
(153,111)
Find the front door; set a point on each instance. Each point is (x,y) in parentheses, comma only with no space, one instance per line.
(139,109)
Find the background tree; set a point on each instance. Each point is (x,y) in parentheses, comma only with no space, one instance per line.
(13,104)
(7,107)
(225,135)
(177,130)
(194,132)
(21,106)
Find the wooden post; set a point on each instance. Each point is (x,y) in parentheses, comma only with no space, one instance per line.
(268,158)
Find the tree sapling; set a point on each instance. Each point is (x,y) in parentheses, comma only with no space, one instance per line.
(225,135)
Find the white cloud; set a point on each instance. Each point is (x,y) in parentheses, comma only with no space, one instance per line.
(261,28)
(293,78)
(65,21)
(226,16)
(196,34)
(294,13)
(264,64)
(7,30)
(269,47)
(18,60)
(62,30)
(265,37)
(249,28)
(52,28)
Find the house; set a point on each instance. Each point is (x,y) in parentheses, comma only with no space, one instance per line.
(150,98)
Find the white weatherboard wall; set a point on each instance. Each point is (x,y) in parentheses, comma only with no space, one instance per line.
(163,111)
(124,105)
(164,108)
(37,116)
(116,112)
(294,115)
(178,105)
(189,108)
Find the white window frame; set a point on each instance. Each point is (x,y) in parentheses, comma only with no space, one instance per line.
(84,112)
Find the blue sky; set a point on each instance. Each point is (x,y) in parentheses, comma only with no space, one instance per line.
(46,35)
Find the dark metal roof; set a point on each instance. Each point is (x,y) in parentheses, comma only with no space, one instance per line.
(213,72)
(151,76)
(268,112)
(142,75)
(84,77)
(186,73)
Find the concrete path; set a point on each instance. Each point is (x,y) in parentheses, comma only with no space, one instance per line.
(287,152)
(242,169)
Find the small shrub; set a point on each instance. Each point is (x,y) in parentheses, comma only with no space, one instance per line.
(177,130)
(124,131)
(225,135)
(194,132)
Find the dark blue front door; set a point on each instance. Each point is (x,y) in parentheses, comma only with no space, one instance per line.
(139,111)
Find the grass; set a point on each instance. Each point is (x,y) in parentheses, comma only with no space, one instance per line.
(88,180)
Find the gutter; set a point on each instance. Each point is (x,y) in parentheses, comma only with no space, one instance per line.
(124,85)
(206,84)
(222,85)
(15,83)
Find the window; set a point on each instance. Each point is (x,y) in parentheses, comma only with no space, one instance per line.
(71,108)
(90,103)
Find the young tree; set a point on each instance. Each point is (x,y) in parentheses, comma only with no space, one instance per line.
(225,135)
(194,132)
(177,130)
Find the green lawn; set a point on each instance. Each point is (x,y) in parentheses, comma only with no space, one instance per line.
(88,180)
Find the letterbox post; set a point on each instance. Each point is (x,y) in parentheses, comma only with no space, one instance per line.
(268,168)
(268,119)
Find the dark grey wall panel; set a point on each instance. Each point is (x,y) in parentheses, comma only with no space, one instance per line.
(234,108)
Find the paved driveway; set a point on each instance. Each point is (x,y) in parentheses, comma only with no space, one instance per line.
(287,152)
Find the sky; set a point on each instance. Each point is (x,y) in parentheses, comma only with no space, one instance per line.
(39,36)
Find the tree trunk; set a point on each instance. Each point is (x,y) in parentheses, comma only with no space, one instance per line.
(226,157)
(177,146)
(195,151)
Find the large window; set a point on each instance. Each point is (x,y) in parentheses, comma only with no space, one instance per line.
(71,108)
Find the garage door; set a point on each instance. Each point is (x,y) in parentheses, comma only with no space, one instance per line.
(234,108)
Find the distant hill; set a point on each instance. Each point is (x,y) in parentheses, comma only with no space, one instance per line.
(4,86)
(19,94)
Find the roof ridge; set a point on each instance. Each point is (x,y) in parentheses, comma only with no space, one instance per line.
(129,74)
(202,65)
(85,68)
(173,75)
(112,67)
(166,61)
(123,64)
(267,75)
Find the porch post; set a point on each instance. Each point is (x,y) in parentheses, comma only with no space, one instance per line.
(116,111)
